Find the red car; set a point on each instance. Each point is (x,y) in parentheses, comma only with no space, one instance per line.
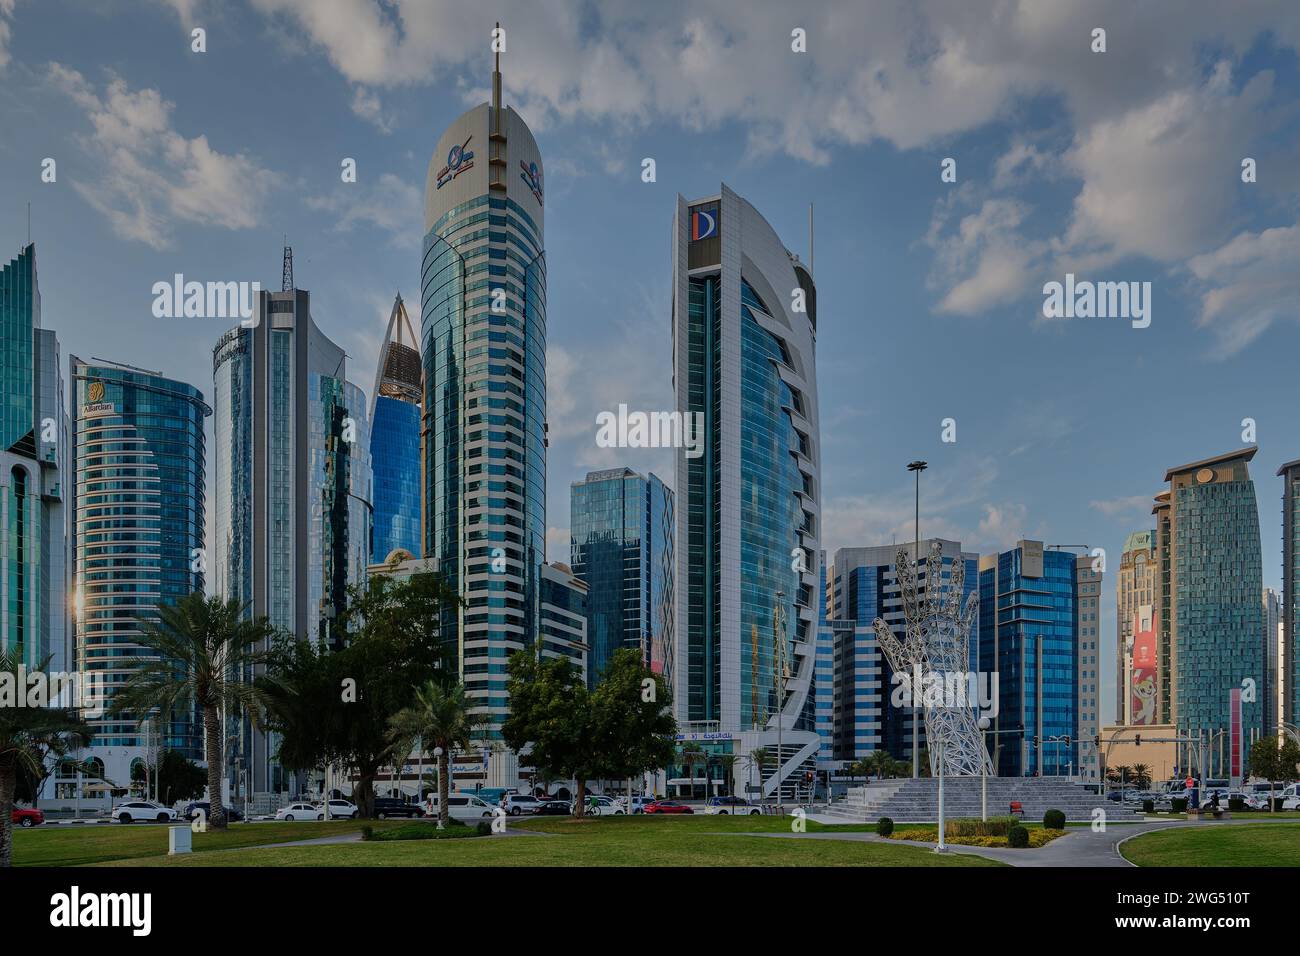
(667,806)
(27,818)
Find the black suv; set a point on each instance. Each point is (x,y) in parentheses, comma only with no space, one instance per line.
(392,807)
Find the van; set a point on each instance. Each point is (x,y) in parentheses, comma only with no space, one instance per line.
(465,807)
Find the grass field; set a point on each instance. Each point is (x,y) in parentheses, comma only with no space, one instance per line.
(1254,845)
(556,841)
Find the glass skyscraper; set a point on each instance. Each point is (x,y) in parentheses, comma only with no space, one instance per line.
(621,543)
(1212,582)
(1029,636)
(137,532)
(292,489)
(395,439)
(483,347)
(748,507)
(1289,662)
(33,439)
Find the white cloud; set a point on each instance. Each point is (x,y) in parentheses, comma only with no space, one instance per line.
(152,175)
(1247,284)
(984,261)
(1122,507)
(390,204)
(367,105)
(6,11)
(557,545)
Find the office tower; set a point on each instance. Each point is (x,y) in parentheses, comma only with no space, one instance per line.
(1207,525)
(1029,636)
(749,491)
(395,439)
(1135,589)
(292,483)
(562,617)
(138,509)
(864,586)
(621,544)
(483,328)
(1289,661)
(33,442)
(823,677)
(1088,576)
(1269,692)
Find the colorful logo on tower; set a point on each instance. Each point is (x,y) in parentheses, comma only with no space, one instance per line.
(532,177)
(704,222)
(96,392)
(95,404)
(459,159)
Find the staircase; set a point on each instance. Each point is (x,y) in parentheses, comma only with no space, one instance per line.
(917,801)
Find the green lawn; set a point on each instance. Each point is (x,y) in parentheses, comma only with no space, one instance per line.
(559,841)
(77,845)
(1211,845)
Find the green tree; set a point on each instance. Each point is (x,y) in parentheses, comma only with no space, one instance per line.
(200,650)
(439,718)
(758,758)
(1141,776)
(29,737)
(179,778)
(880,763)
(690,756)
(632,719)
(551,717)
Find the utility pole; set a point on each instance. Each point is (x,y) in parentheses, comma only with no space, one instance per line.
(778,620)
(917,466)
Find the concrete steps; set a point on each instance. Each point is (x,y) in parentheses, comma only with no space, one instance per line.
(917,801)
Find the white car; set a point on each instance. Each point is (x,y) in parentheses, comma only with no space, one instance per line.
(342,810)
(465,807)
(601,806)
(639,802)
(300,811)
(518,803)
(134,810)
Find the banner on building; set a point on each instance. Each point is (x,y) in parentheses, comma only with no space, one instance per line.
(1142,680)
(1235,734)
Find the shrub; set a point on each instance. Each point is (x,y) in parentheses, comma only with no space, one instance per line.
(1148,806)
(1178,805)
(970,827)
(1018,837)
(367,833)
(1054,820)
(1236,804)
(484,828)
(884,826)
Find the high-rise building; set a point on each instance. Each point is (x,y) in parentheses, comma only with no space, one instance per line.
(1135,589)
(1207,527)
(138,507)
(749,490)
(1269,692)
(1289,661)
(864,586)
(1087,666)
(1029,636)
(395,439)
(562,616)
(292,483)
(33,442)
(483,346)
(621,544)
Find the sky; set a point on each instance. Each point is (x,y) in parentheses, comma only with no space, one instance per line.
(1122,165)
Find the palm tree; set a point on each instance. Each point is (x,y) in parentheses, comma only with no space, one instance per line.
(1141,776)
(202,650)
(880,762)
(28,736)
(728,764)
(442,717)
(757,757)
(692,755)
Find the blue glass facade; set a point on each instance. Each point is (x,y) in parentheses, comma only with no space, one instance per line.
(139,518)
(1029,636)
(395,454)
(621,532)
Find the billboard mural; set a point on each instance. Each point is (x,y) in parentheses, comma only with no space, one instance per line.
(1142,703)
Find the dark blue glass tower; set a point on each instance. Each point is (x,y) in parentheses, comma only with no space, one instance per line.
(395,440)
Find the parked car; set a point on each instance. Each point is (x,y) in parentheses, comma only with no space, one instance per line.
(343,810)
(517,803)
(465,807)
(639,802)
(134,810)
(667,806)
(193,809)
(730,805)
(386,807)
(300,811)
(598,805)
(552,808)
(26,818)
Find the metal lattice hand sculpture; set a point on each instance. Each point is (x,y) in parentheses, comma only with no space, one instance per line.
(936,642)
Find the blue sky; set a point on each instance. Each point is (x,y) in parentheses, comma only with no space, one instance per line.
(1116,166)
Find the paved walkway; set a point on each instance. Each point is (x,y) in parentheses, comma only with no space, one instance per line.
(1081,846)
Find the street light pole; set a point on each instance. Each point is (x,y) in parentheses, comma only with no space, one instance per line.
(777,613)
(917,466)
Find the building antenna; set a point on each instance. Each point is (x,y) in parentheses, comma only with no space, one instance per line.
(29,222)
(497,140)
(286,276)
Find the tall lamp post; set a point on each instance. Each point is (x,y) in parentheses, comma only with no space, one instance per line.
(917,467)
(778,637)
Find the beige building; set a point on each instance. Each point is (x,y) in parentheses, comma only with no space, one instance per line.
(1134,589)
(1151,745)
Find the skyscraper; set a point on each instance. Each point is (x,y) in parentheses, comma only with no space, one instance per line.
(1289,662)
(621,542)
(1211,582)
(483,328)
(33,442)
(749,493)
(1135,589)
(562,617)
(395,439)
(137,532)
(1087,666)
(1029,636)
(292,481)
(864,586)
(1270,692)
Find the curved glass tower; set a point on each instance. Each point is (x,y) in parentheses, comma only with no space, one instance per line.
(748,504)
(395,439)
(483,327)
(137,531)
